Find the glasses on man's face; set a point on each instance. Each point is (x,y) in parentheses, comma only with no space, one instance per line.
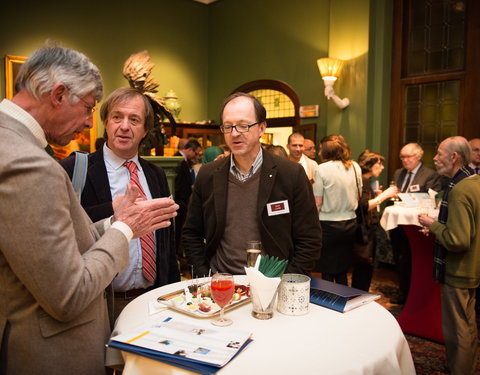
(403,157)
(240,128)
(89,108)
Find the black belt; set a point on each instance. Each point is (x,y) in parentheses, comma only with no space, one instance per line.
(130,294)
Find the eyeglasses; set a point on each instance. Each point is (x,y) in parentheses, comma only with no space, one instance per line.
(90,109)
(240,128)
(402,157)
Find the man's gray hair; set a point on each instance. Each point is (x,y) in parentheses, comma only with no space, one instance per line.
(52,64)
(417,149)
(461,146)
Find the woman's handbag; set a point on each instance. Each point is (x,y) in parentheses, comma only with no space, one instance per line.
(362,247)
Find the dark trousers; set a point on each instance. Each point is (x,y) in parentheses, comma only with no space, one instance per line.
(403,258)
(362,270)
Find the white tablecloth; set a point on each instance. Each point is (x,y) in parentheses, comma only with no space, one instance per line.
(400,215)
(367,340)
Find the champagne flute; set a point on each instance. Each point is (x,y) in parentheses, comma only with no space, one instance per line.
(392,183)
(254,248)
(424,210)
(222,287)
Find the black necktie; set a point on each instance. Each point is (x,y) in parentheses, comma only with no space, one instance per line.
(476,170)
(407,182)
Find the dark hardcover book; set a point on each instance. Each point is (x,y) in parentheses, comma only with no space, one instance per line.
(338,297)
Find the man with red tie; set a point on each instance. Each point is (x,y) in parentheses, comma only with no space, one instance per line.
(128,116)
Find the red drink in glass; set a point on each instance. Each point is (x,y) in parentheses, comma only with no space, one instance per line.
(222,287)
(222,291)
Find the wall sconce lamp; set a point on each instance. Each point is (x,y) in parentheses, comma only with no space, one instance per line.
(330,70)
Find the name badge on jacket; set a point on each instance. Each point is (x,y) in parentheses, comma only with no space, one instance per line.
(414,188)
(278,208)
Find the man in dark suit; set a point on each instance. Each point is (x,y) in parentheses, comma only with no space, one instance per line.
(413,177)
(127,116)
(251,195)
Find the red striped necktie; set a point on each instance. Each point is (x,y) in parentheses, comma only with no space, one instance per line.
(148,251)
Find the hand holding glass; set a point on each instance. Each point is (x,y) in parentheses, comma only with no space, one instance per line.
(392,184)
(425,206)
(222,287)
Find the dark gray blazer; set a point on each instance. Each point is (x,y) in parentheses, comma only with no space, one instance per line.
(426,178)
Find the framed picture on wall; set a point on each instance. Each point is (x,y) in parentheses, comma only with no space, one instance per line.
(12,65)
(84,141)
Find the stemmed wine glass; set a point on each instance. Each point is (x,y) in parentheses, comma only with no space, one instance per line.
(222,287)
(425,206)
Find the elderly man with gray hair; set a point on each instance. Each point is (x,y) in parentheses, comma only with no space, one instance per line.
(457,253)
(54,262)
(414,176)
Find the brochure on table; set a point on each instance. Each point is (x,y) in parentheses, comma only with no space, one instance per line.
(184,342)
(413,199)
(337,296)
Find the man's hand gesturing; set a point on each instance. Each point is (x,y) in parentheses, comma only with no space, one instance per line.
(143,216)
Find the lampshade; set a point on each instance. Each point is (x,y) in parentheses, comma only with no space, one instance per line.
(330,68)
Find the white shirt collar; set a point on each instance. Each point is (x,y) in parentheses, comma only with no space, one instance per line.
(415,170)
(10,108)
(116,161)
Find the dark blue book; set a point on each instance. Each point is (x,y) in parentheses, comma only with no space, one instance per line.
(338,297)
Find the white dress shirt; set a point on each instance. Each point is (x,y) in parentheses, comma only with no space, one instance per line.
(119,177)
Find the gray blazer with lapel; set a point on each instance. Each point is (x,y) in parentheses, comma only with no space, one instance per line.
(54,265)
(426,178)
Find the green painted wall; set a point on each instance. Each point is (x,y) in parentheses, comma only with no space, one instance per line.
(279,39)
(174,32)
(204,52)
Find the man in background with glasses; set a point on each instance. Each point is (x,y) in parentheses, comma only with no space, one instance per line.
(414,177)
(251,195)
(475,163)
(309,149)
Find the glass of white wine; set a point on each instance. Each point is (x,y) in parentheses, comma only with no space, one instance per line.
(254,249)
(392,183)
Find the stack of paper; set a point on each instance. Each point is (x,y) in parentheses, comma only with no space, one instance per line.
(183,342)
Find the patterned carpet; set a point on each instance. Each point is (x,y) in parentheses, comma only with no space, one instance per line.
(428,356)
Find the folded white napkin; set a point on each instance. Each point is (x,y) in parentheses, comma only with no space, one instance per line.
(264,287)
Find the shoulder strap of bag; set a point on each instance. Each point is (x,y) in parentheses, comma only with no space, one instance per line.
(359,208)
(80,172)
(356,180)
